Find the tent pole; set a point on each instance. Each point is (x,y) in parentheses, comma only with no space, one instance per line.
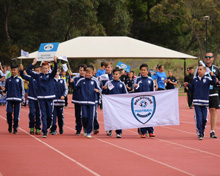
(184,68)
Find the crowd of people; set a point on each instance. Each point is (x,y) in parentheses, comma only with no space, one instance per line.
(47,89)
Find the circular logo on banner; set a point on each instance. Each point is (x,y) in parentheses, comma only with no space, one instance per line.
(48,47)
(123,66)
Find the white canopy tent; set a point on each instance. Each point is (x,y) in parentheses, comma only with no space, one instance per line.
(113,48)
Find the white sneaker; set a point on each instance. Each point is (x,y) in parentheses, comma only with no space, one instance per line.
(89,135)
(118,136)
(84,134)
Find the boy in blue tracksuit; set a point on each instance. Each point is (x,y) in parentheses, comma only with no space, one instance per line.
(200,89)
(115,86)
(61,91)
(45,92)
(88,96)
(76,96)
(32,100)
(14,88)
(144,83)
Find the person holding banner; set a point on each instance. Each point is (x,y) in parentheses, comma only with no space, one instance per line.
(200,89)
(14,89)
(144,83)
(34,113)
(115,86)
(45,91)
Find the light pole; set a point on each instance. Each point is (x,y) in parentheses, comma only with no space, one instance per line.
(206,18)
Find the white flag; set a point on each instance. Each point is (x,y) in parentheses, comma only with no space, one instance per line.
(24,53)
(64,58)
(104,77)
(65,68)
(144,109)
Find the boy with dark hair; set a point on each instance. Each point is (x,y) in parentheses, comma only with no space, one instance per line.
(144,83)
(14,89)
(45,91)
(189,78)
(88,96)
(115,86)
(130,81)
(32,99)
(101,71)
(200,88)
(76,96)
(61,91)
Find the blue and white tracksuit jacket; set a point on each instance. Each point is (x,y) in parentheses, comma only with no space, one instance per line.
(116,87)
(88,100)
(60,90)
(33,103)
(14,88)
(45,94)
(145,84)
(200,89)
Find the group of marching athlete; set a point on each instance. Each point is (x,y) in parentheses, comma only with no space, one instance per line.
(47,94)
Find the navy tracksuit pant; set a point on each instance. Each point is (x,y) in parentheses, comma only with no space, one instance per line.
(46,110)
(96,123)
(16,107)
(146,130)
(88,112)
(201,113)
(34,113)
(57,112)
(78,116)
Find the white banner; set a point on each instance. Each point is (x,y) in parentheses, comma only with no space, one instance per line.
(144,109)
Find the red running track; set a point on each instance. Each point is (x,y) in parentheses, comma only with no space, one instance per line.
(174,151)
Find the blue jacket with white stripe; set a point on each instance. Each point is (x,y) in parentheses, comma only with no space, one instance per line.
(88,95)
(45,82)
(145,84)
(200,88)
(116,87)
(76,92)
(32,87)
(14,88)
(60,90)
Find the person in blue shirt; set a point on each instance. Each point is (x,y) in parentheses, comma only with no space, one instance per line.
(101,71)
(61,92)
(115,86)
(45,92)
(144,83)
(160,78)
(34,112)
(14,88)
(89,88)
(200,89)
(76,96)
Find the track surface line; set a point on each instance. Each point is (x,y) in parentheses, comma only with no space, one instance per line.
(61,153)
(138,154)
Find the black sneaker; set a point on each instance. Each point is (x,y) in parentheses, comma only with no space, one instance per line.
(44,135)
(200,137)
(78,133)
(212,135)
(10,128)
(109,133)
(61,130)
(15,131)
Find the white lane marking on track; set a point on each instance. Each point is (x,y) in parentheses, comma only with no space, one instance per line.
(162,127)
(133,152)
(61,153)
